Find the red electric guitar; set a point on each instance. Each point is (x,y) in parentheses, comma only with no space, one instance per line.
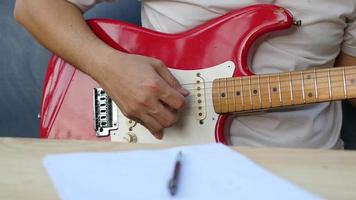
(209,60)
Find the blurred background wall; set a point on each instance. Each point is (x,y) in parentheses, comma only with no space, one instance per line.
(23,64)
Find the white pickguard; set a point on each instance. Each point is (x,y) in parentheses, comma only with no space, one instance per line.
(189,129)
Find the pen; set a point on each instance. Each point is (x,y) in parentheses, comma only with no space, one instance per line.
(173,182)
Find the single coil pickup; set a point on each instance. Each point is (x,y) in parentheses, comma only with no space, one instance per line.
(200,98)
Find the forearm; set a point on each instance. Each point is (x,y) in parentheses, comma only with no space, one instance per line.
(60,27)
(346,60)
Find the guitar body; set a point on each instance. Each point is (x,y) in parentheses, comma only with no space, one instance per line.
(216,49)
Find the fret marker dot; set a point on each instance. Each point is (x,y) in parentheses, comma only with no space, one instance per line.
(238,93)
(222,94)
(310,94)
(254,91)
(274,89)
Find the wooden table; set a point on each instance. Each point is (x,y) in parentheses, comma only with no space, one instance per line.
(330,174)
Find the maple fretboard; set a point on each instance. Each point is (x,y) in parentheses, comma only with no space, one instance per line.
(267,91)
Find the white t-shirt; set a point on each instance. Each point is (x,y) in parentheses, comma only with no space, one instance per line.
(329,26)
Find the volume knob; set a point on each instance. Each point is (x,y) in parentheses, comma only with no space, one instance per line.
(130,138)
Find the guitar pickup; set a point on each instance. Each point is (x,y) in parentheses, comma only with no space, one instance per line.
(105,113)
(199,89)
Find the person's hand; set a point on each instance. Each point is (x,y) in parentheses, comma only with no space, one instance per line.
(144,90)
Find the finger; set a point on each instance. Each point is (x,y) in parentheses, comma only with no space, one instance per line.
(163,71)
(153,126)
(163,114)
(171,97)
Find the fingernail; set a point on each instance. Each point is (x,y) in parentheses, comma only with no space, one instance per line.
(159,135)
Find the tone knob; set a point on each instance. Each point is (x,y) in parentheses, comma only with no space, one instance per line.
(130,138)
(131,123)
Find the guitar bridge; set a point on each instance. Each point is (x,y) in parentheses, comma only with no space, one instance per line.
(105,113)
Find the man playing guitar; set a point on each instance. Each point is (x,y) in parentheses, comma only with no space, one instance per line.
(327,38)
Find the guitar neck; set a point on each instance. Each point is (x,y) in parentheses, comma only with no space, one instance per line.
(268,91)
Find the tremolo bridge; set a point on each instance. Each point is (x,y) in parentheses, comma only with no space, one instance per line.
(105,113)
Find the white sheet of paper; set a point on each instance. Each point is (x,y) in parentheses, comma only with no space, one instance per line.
(208,172)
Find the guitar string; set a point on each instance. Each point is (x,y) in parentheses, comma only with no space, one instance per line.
(284,84)
(275,75)
(265,91)
(250,107)
(246,81)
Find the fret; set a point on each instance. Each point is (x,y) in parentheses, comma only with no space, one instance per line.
(246,82)
(230,94)
(316,85)
(337,83)
(216,96)
(279,89)
(275,90)
(242,95)
(297,88)
(291,88)
(259,90)
(238,94)
(269,91)
(255,92)
(219,93)
(303,90)
(234,94)
(263,90)
(249,86)
(310,88)
(285,89)
(223,95)
(322,84)
(329,82)
(350,76)
(226,94)
(344,81)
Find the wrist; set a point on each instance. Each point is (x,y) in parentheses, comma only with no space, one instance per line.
(102,62)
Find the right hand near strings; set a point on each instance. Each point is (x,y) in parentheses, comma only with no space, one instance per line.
(144,90)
